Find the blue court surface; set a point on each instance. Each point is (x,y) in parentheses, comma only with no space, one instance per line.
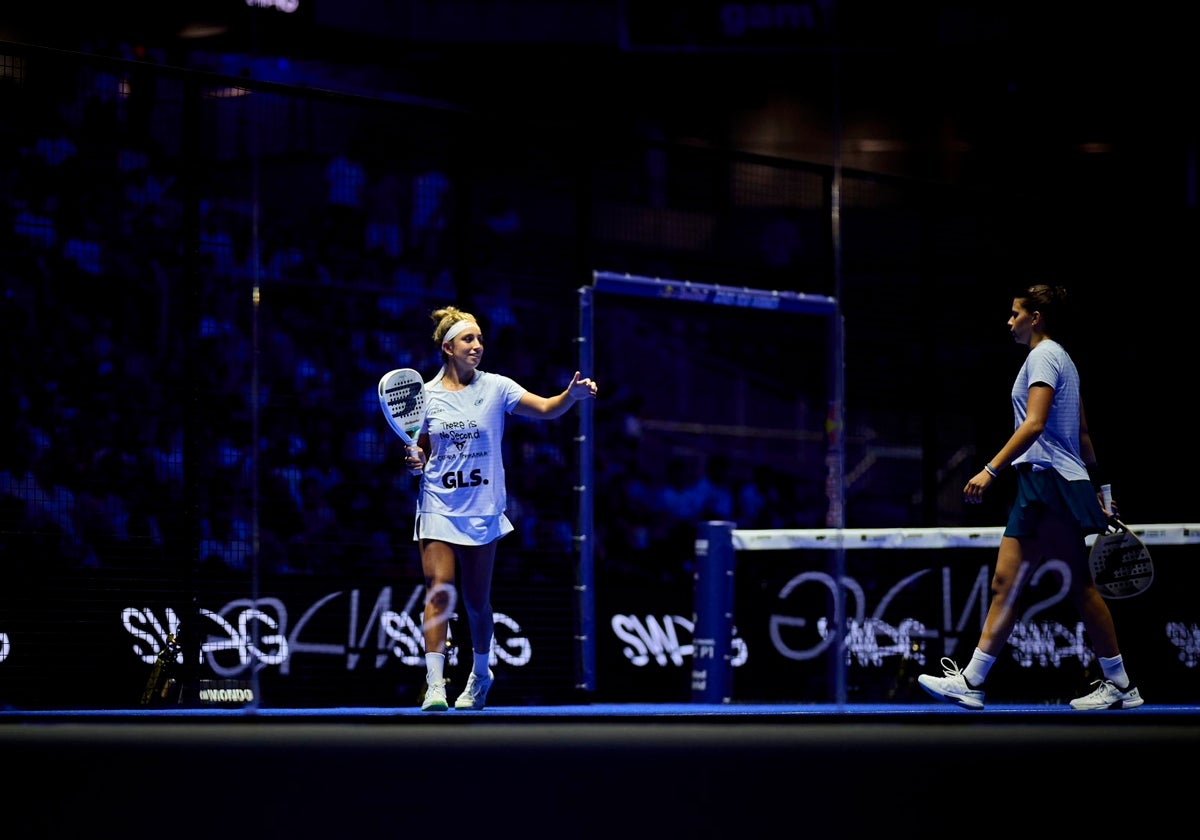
(699,712)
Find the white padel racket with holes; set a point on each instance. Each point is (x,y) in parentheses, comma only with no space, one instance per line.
(402,398)
(1120,562)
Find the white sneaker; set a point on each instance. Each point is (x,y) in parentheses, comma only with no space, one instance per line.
(474,696)
(1108,696)
(953,687)
(435,697)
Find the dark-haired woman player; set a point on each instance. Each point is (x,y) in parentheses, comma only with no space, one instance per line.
(1055,509)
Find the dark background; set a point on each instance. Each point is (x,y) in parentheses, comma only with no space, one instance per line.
(1074,126)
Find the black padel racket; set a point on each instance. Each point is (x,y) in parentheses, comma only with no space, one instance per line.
(402,398)
(1120,562)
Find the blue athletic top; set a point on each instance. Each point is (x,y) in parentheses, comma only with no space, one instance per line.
(465,472)
(1057,447)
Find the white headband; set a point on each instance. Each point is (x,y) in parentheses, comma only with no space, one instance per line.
(458,327)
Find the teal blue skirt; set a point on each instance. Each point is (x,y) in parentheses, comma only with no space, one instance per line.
(1045,491)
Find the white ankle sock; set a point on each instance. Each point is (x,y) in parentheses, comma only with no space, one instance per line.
(977,669)
(1114,671)
(435,667)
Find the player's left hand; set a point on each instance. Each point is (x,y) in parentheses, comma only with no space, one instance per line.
(581,388)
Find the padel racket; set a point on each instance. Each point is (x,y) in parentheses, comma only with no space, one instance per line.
(402,398)
(1120,562)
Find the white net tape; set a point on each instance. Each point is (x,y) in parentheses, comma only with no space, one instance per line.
(832,539)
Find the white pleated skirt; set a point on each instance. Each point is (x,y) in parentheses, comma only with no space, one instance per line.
(461,530)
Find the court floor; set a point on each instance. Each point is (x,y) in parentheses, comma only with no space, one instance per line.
(605,771)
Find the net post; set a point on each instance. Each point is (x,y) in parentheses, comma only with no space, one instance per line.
(712,617)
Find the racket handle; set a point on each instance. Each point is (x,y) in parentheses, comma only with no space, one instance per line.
(413,451)
(1106,496)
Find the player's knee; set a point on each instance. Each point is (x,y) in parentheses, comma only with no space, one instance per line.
(440,597)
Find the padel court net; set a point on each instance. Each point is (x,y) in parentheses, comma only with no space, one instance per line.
(854,615)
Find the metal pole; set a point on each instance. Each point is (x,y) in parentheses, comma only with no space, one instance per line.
(585,573)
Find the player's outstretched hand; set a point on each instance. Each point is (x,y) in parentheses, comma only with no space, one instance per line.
(582,388)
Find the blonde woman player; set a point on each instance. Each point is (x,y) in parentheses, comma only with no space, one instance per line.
(462,498)
(1056,507)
